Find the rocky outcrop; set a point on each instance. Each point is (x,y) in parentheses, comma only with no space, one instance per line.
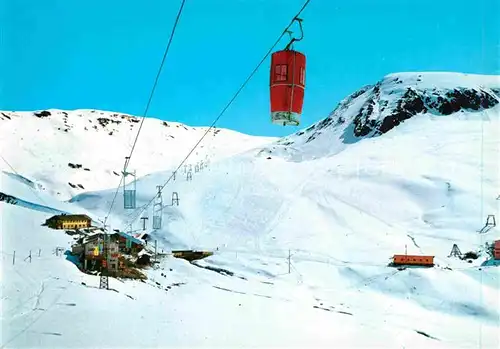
(408,106)
(8,198)
(42,114)
(414,102)
(377,109)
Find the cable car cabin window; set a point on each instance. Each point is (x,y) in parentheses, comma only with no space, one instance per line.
(280,72)
(302,76)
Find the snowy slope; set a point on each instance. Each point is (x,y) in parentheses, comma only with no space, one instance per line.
(340,202)
(376,109)
(70,152)
(48,303)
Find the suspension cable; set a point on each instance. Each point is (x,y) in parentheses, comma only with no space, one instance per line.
(227,105)
(147,108)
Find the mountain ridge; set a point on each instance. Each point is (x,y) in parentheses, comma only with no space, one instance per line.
(89,146)
(376,109)
(302,232)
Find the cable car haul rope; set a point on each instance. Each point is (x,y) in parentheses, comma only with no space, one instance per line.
(287,94)
(124,174)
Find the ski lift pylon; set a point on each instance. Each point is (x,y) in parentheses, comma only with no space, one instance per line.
(129,193)
(490,223)
(158,209)
(175,198)
(455,251)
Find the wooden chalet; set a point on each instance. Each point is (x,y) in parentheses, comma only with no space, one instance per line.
(92,254)
(406,260)
(91,251)
(69,221)
(496,250)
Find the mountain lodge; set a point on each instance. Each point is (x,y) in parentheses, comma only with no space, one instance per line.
(90,249)
(94,253)
(69,221)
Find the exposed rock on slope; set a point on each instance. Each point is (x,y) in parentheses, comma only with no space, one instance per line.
(377,109)
(74,151)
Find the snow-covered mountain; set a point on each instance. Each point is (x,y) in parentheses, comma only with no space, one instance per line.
(376,109)
(302,227)
(70,152)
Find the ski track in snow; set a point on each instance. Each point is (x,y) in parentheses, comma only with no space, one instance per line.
(340,206)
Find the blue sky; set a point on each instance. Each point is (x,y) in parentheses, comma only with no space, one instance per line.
(71,54)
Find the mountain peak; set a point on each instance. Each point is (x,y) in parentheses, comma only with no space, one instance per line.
(376,109)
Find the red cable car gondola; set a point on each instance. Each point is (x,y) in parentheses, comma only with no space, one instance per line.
(287,84)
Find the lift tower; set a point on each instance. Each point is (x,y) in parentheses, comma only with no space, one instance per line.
(158,209)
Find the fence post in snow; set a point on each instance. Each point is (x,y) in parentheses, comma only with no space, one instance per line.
(58,249)
(39,252)
(288,261)
(14,258)
(156,245)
